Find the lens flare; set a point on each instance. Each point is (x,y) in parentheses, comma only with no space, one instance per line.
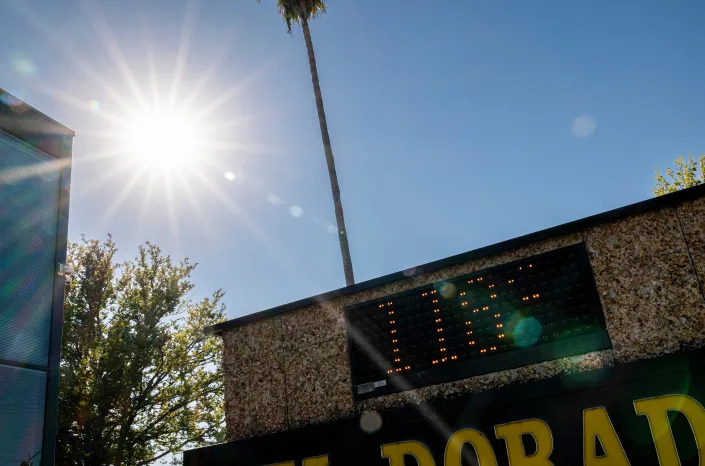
(527,332)
(296,211)
(370,422)
(447,290)
(274,199)
(23,65)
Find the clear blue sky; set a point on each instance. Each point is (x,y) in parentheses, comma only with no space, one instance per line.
(454,124)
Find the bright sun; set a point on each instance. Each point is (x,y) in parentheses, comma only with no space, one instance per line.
(162,140)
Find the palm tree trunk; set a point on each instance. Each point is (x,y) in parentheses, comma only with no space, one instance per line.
(342,232)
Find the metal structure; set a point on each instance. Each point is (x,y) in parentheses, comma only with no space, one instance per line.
(35,171)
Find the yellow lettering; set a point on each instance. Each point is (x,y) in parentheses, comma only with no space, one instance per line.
(395,453)
(656,411)
(316,461)
(597,425)
(482,447)
(539,430)
(313,461)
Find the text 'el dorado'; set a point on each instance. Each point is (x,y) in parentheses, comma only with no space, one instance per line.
(597,429)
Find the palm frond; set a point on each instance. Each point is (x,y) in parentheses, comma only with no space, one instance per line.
(296,11)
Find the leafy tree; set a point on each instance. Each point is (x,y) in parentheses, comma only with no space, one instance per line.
(300,12)
(685,176)
(139,379)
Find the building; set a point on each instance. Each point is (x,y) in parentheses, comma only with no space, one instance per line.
(35,170)
(579,344)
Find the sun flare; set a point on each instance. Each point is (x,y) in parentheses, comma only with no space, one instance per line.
(162,140)
(159,134)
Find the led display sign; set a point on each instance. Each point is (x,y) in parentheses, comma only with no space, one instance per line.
(534,309)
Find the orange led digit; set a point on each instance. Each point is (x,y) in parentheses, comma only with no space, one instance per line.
(546,298)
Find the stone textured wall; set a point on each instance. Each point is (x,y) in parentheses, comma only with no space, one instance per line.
(651,296)
(292,369)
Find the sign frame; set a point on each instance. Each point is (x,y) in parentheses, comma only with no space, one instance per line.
(394,383)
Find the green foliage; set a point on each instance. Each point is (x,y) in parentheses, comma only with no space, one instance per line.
(139,379)
(299,11)
(685,176)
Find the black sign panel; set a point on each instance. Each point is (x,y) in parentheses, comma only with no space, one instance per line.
(645,413)
(539,308)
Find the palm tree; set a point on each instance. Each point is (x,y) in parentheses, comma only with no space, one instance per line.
(301,11)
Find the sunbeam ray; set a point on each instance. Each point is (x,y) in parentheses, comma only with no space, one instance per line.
(231,123)
(103,156)
(117,202)
(233,91)
(215,64)
(151,64)
(63,44)
(101,27)
(249,148)
(259,233)
(426,410)
(203,221)
(115,171)
(187,28)
(15,174)
(146,199)
(171,211)
(77,103)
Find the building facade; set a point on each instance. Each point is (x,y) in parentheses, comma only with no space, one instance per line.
(35,169)
(580,344)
